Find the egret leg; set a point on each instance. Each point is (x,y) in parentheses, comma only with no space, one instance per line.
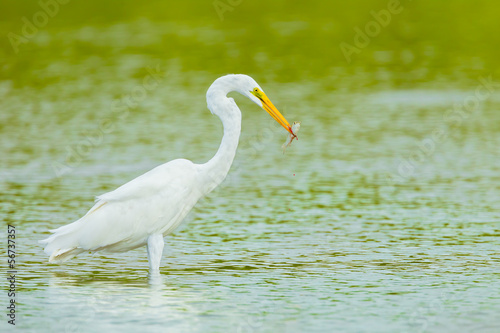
(155,250)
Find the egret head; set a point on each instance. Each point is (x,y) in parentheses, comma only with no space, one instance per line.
(246,86)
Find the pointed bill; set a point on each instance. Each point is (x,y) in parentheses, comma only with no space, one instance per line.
(272,110)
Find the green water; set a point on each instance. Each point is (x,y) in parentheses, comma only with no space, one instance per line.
(383,217)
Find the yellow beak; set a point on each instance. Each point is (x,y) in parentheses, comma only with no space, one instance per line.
(271,109)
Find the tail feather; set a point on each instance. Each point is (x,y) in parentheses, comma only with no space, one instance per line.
(106,227)
(63,244)
(60,256)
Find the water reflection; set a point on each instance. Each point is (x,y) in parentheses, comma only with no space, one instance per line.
(107,301)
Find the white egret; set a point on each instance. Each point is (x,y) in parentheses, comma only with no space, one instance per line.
(151,206)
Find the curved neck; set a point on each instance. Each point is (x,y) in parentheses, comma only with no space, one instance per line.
(218,167)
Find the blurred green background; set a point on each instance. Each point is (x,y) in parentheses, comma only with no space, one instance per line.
(287,40)
(354,229)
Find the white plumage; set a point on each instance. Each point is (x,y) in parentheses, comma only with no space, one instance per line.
(154,204)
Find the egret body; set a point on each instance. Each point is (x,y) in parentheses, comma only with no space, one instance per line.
(151,206)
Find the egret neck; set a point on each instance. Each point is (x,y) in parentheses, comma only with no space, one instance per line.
(218,167)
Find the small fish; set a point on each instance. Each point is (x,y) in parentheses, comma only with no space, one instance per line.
(295,130)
